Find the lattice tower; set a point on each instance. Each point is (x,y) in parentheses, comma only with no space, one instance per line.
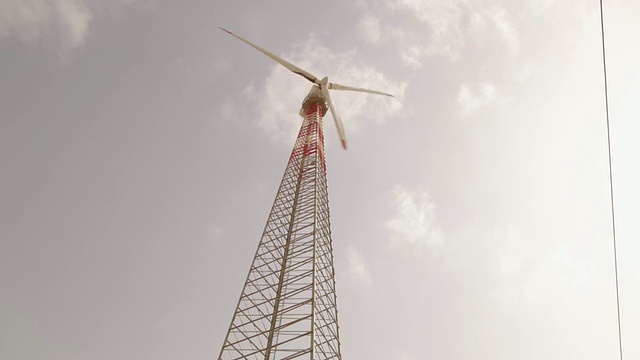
(287,309)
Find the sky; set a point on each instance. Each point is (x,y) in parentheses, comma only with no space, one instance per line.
(141,149)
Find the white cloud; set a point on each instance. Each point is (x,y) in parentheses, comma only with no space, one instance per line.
(249,89)
(358,270)
(415,221)
(74,18)
(58,25)
(538,7)
(370,28)
(228,110)
(443,20)
(505,28)
(525,263)
(419,29)
(63,23)
(412,57)
(474,98)
(494,23)
(283,92)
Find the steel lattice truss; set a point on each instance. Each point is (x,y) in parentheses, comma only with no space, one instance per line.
(287,309)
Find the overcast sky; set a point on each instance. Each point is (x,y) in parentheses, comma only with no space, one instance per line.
(141,149)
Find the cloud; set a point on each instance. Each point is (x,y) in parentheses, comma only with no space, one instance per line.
(527,268)
(58,25)
(505,28)
(443,21)
(62,23)
(74,20)
(281,97)
(494,23)
(411,57)
(369,27)
(358,270)
(415,221)
(474,98)
(420,29)
(228,110)
(516,278)
(538,7)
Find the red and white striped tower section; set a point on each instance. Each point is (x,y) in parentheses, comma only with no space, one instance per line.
(287,309)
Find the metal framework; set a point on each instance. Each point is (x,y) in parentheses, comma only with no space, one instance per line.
(287,309)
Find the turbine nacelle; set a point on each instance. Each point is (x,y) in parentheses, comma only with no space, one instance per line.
(314,96)
(319,91)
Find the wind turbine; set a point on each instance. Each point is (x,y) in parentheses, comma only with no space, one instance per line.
(320,88)
(288,305)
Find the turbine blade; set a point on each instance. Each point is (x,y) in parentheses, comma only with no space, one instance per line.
(334,114)
(296,70)
(335,86)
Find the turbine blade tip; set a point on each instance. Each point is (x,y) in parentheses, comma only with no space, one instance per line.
(344,143)
(225,30)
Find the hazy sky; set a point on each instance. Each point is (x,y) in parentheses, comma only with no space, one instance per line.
(141,149)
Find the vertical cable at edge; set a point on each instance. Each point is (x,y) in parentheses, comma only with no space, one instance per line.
(613,216)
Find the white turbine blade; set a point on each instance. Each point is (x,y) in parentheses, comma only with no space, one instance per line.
(335,86)
(334,114)
(296,70)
